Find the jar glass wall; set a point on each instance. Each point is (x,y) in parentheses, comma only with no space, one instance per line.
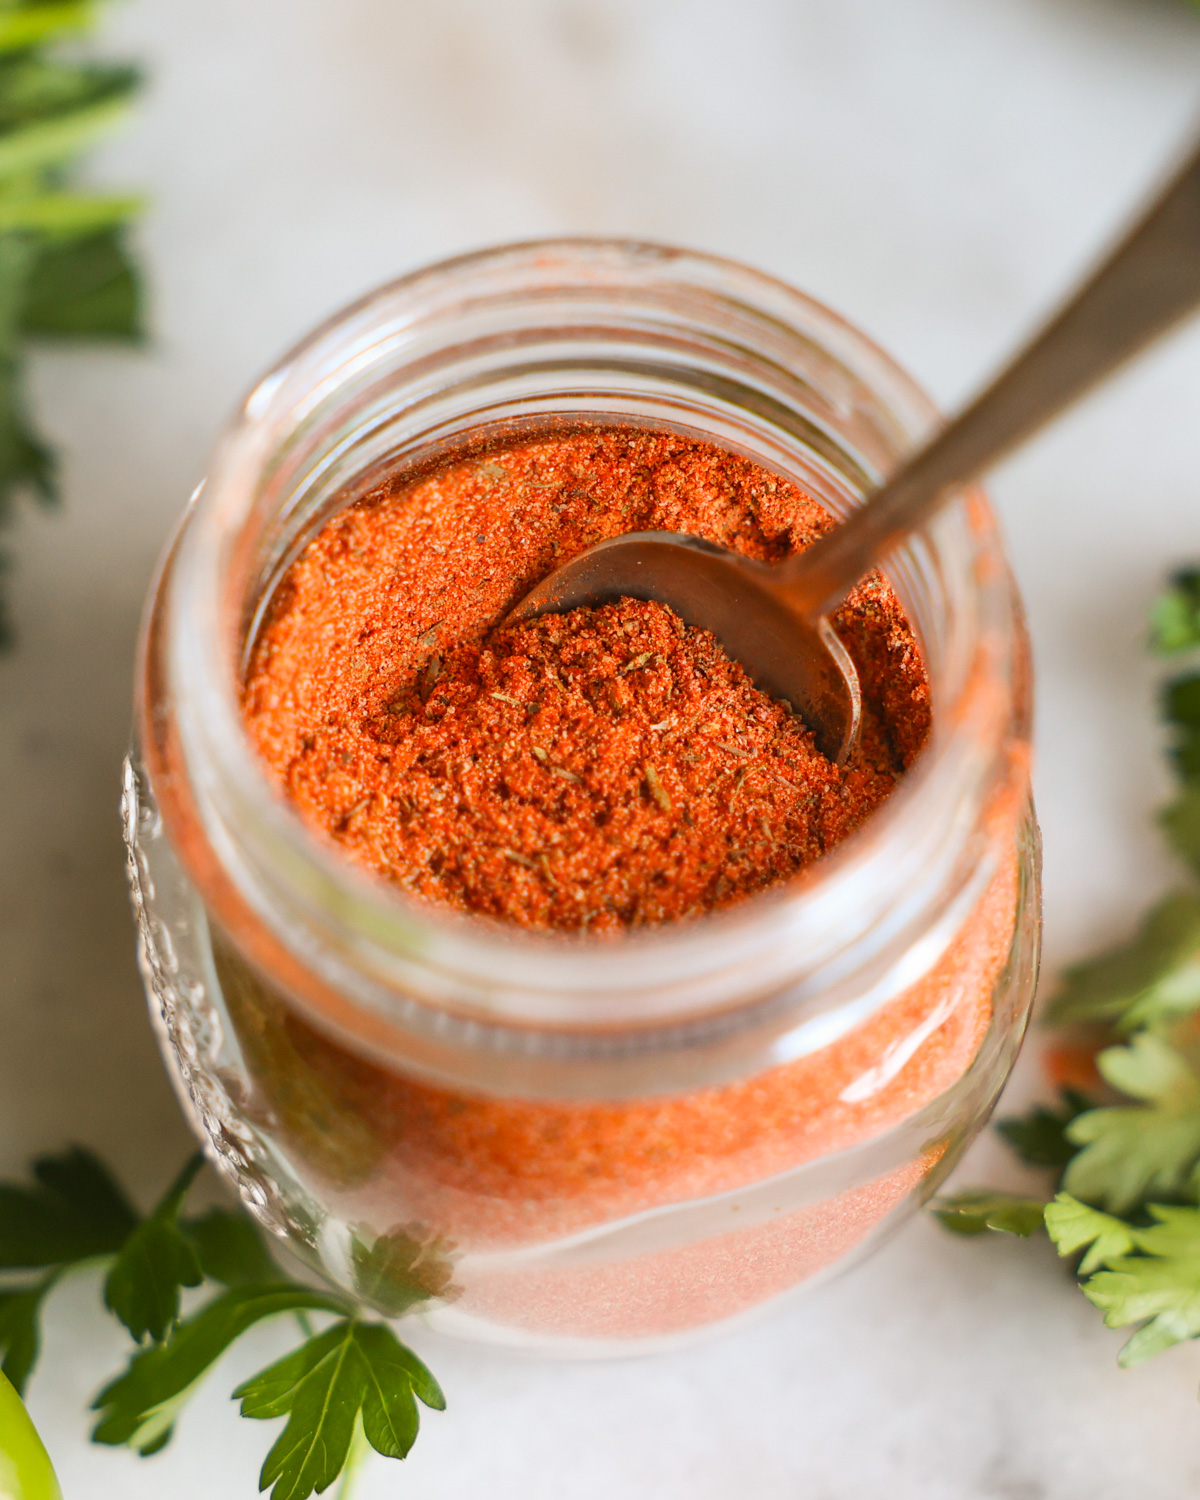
(547,1140)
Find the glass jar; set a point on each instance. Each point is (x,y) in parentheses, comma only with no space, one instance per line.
(544,1140)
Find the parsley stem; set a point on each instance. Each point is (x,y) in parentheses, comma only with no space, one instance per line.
(359,1448)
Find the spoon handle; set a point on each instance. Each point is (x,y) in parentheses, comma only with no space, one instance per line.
(1149,281)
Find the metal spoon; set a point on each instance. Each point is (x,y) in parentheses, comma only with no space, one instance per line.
(772,618)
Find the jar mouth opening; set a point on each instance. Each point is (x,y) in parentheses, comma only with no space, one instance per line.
(620,330)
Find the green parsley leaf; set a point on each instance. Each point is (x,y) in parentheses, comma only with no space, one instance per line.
(1176,1234)
(1039,1137)
(36,88)
(271,1392)
(87,288)
(1181,823)
(141,1406)
(79,1178)
(323,1387)
(390,1363)
(975,1212)
(60,216)
(73,1211)
(38,23)
(351,1386)
(1181,709)
(400,1270)
(1185,753)
(23,460)
(48,143)
(20,1336)
(230,1248)
(1072,1225)
(1136,1273)
(64,269)
(50,112)
(1155,976)
(154,1264)
(1132,1150)
(143,1288)
(1161,1285)
(1175,624)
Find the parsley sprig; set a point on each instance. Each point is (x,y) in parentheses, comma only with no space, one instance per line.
(350,1383)
(65,267)
(1123,1141)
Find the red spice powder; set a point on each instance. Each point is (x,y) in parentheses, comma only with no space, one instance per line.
(492,1171)
(667,1291)
(597,770)
(602,769)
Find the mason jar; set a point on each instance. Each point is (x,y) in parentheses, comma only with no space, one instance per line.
(553,1141)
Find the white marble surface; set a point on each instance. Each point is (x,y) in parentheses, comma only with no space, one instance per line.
(935,169)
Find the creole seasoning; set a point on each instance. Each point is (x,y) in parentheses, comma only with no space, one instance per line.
(599,771)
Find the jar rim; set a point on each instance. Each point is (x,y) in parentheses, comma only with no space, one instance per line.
(366,938)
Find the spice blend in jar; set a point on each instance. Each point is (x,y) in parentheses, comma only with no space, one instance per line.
(598,770)
(546,977)
(595,771)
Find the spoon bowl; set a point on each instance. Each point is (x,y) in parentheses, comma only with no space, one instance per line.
(739,600)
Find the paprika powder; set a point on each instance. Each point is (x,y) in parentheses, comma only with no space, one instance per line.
(606,768)
(554,961)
